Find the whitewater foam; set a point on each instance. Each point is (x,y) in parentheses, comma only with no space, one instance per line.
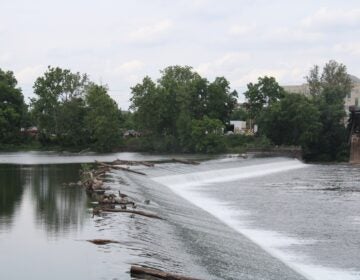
(187,186)
(229,174)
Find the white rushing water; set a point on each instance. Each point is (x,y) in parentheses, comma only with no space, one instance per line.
(189,186)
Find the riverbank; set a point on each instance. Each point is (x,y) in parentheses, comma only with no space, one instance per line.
(230,144)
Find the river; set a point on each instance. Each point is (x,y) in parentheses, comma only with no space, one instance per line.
(227,218)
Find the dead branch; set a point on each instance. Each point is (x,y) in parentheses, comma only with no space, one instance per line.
(119,168)
(185,161)
(144,271)
(131,162)
(136,212)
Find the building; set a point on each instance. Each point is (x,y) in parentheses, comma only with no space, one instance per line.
(238,127)
(351,100)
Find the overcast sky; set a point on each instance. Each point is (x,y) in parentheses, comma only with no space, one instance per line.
(118,42)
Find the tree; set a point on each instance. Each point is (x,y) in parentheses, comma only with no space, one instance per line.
(265,92)
(12,108)
(329,91)
(165,110)
(71,122)
(148,107)
(103,119)
(221,101)
(334,84)
(54,89)
(240,114)
(206,135)
(294,120)
(178,88)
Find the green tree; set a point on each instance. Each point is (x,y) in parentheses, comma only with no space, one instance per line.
(221,101)
(148,106)
(239,114)
(265,92)
(12,108)
(165,110)
(54,89)
(71,121)
(178,88)
(329,92)
(294,120)
(207,135)
(103,119)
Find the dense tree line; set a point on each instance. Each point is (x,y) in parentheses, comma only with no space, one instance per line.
(69,111)
(315,122)
(13,109)
(181,111)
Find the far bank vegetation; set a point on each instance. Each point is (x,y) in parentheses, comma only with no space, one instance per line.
(179,112)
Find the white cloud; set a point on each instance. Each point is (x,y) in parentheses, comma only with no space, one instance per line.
(348,48)
(29,74)
(151,32)
(326,18)
(284,75)
(253,75)
(242,29)
(130,66)
(240,40)
(224,64)
(285,34)
(5,57)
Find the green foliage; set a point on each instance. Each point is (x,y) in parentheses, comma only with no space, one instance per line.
(128,120)
(239,114)
(264,93)
(221,101)
(71,121)
(72,112)
(207,135)
(329,91)
(238,143)
(294,120)
(58,92)
(12,108)
(334,84)
(103,119)
(315,123)
(165,110)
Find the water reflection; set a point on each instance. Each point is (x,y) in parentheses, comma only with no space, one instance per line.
(57,209)
(11,189)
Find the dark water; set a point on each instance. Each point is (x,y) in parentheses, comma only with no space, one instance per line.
(224,219)
(39,219)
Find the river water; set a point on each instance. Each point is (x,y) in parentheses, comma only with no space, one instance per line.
(227,218)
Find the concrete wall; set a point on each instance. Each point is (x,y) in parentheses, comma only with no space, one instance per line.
(355,149)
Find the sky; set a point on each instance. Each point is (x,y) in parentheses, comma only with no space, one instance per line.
(119,42)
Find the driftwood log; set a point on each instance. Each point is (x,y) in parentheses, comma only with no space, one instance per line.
(131,162)
(102,241)
(144,271)
(105,202)
(136,212)
(146,163)
(186,161)
(120,168)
